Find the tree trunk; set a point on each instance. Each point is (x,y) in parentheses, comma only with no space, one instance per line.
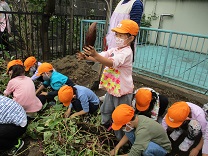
(48,12)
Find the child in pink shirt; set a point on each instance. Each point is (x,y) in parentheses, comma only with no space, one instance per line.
(117,75)
(22,88)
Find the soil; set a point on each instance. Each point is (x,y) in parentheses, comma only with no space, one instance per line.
(78,71)
(81,73)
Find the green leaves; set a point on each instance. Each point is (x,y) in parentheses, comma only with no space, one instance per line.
(65,136)
(77,141)
(47,135)
(39,129)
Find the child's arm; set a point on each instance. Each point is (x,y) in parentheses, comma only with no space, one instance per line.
(67,113)
(78,114)
(52,93)
(39,89)
(196,149)
(122,142)
(90,51)
(9,89)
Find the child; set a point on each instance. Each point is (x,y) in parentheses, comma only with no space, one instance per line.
(22,88)
(150,103)
(13,124)
(53,79)
(82,99)
(117,75)
(31,64)
(5,28)
(205,145)
(151,139)
(177,115)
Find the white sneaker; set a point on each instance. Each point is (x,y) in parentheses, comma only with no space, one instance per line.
(102,98)
(175,134)
(186,144)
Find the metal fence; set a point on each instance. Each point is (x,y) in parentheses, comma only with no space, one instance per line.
(175,57)
(28,37)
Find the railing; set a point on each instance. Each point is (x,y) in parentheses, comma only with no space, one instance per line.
(179,58)
(175,57)
(99,33)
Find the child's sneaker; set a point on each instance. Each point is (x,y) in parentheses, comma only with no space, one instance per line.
(52,103)
(16,148)
(175,134)
(186,144)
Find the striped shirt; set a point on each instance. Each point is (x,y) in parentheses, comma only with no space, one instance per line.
(11,112)
(136,11)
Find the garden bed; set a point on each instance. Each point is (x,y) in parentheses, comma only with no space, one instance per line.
(51,134)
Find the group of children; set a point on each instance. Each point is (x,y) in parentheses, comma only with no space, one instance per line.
(26,101)
(136,121)
(135,117)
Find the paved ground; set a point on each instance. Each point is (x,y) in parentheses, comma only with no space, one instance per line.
(185,66)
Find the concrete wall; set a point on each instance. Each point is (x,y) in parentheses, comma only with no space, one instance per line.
(188,15)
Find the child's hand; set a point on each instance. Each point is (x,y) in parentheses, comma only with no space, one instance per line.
(114,152)
(81,56)
(44,93)
(90,51)
(66,114)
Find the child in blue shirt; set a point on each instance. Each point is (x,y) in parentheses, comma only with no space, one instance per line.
(53,79)
(81,99)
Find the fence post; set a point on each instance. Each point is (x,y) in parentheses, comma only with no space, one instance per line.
(71,26)
(81,35)
(167,52)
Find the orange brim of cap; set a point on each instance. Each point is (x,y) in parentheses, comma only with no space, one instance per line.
(38,74)
(116,127)
(27,68)
(119,30)
(142,108)
(172,124)
(66,104)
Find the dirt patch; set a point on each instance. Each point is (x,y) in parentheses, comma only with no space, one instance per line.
(78,71)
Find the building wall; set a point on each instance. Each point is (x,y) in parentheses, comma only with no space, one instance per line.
(188,15)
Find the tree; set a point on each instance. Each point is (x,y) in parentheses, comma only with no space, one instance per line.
(49,10)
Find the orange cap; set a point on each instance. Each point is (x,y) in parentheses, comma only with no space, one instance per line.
(65,95)
(44,67)
(143,99)
(14,62)
(122,115)
(29,62)
(177,114)
(127,26)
